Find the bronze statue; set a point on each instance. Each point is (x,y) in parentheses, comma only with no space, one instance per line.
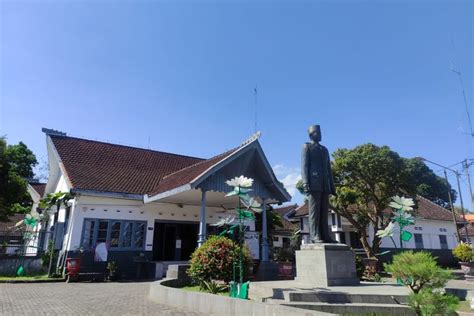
(318,183)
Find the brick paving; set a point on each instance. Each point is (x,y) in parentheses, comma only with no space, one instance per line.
(82,299)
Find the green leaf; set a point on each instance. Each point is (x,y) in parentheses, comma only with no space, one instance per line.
(406,236)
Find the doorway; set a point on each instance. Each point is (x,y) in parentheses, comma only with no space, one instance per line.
(174,241)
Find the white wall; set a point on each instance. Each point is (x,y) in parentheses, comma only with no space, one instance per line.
(123,209)
(430,231)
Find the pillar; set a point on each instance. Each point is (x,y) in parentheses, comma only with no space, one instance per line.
(265,248)
(202,220)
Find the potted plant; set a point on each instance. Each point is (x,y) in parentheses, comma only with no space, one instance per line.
(111,270)
(464,253)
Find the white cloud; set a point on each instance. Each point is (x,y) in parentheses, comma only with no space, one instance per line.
(289,176)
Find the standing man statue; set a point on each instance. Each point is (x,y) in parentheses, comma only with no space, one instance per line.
(318,183)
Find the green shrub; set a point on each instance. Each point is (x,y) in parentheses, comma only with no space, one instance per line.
(426,302)
(463,252)
(45,257)
(418,270)
(215,259)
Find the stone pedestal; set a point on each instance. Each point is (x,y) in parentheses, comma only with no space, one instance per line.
(326,265)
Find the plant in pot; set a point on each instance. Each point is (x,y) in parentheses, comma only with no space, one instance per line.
(464,253)
(111,270)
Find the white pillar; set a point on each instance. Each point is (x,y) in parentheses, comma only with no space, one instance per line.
(202,220)
(265,248)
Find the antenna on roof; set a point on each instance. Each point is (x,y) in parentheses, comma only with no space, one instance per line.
(49,131)
(255,100)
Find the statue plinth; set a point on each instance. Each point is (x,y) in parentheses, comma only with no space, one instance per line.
(322,264)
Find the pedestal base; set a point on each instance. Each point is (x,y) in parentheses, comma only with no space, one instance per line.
(326,265)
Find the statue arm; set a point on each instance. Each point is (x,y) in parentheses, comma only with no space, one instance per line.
(305,166)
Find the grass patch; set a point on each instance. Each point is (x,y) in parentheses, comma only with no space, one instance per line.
(38,277)
(196,288)
(464,306)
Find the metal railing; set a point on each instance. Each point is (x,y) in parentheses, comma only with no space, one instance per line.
(20,243)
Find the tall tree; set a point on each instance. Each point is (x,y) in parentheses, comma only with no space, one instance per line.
(16,166)
(419,178)
(367,176)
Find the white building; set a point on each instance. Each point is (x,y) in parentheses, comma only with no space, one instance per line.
(434,230)
(148,208)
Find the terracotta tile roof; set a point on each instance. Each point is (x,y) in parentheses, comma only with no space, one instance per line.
(301,210)
(186,175)
(430,210)
(288,226)
(99,166)
(470,230)
(426,209)
(470,217)
(285,209)
(38,187)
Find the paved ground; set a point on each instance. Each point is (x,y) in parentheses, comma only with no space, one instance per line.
(81,299)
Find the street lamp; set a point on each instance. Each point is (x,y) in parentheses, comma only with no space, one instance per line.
(449,196)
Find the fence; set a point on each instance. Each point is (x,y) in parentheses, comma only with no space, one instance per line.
(23,243)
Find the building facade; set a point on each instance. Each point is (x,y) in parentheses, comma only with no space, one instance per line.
(145,209)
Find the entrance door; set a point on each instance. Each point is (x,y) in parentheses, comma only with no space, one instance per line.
(174,241)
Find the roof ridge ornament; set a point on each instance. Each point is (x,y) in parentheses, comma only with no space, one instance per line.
(252,138)
(50,131)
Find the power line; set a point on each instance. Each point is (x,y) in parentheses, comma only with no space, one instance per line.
(458,72)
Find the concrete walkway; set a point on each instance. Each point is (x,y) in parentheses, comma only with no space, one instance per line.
(82,299)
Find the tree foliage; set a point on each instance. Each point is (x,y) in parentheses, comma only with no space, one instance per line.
(367,176)
(421,180)
(16,166)
(420,272)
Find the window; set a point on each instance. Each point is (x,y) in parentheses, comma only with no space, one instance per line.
(339,222)
(418,241)
(276,238)
(443,230)
(333,219)
(443,241)
(418,228)
(118,234)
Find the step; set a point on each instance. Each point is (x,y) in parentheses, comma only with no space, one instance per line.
(355,308)
(343,297)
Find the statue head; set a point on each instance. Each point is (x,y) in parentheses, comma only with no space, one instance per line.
(314,132)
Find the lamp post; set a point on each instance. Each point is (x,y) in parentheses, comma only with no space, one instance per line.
(449,197)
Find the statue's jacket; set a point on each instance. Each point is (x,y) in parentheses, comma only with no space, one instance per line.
(316,168)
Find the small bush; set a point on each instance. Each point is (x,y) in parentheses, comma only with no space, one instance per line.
(45,257)
(426,302)
(463,252)
(418,270)
(215,259)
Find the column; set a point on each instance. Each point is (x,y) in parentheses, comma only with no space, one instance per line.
(265,249)
(202,220)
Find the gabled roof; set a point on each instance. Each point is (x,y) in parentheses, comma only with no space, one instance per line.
(186,175)
(104,167)
(285,210)
(192,176)
(425,209)
(38,187)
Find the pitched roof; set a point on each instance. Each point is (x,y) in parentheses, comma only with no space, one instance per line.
(105,167)
(285,209)
(431,210)
(186,175)
(38,187)
(425,209)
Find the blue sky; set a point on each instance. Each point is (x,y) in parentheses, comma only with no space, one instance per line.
(180,76)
